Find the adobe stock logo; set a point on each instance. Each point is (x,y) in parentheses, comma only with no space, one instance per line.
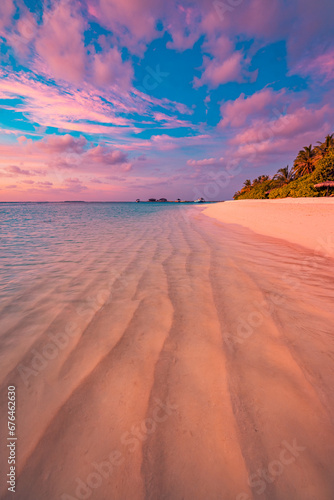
(152,79)
(222,8)
(130,441)
(262,477)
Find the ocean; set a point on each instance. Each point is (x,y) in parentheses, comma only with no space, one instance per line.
(52,239)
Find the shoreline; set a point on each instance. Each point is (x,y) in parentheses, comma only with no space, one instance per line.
(308,222)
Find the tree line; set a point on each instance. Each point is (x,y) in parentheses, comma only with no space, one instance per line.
(311,175)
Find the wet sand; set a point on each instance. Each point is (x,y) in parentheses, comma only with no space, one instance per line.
(194,363)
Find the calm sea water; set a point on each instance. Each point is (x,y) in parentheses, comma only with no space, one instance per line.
(36,238)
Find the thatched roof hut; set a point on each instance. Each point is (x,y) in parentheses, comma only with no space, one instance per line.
(327,184)
(324,184)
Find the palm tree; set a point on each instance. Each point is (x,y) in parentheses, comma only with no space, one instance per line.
(325,146)
(260,179)
(304,163)
(247,183)
(284,175)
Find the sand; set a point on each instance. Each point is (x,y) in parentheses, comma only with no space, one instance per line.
(305,221)
(196,364)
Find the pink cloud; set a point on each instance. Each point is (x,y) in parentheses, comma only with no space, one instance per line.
(265,141)
(105,155)
(53,154)
(61,144)
(45,183)
(51,150)
(312,29)
(167,121)
(13,169)
(318,68)
(255,19)
(57,48)
(108,68)
(219,47)
(70,108)
(62,54)
(23,33)
(165,142)
(292,124)
(205,162)
(218,72)
(283,148)
(74,185)
(60,42)
(133,21)
(65,110)
(181,41)
(182,23)
(7,9)
(261,19)
(235,113)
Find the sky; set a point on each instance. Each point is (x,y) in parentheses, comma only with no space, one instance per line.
(113,100)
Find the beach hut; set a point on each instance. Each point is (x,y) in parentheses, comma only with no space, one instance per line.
(322,185)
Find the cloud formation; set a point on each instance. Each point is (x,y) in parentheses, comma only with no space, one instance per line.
(84,106)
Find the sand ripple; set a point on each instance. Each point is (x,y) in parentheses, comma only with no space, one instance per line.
(190,361)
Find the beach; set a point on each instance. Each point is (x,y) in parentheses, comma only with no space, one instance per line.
(173,353)
(308,222)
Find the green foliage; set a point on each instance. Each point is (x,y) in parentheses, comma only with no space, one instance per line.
(325,168)
(284,184)
(305,162)
(304,186)
(258,191)
(301,187)
(324,147)
(284,175)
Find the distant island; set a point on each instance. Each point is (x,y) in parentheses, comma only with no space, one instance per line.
(164,200)
(312,175)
